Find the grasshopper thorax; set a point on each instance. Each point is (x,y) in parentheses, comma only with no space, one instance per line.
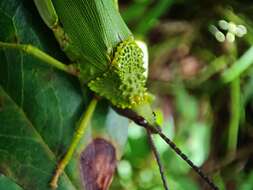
(124,82)
(128,64)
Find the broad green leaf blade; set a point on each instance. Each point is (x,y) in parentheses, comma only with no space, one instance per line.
(24,155)
(7,183)
(38,89)
(51,100)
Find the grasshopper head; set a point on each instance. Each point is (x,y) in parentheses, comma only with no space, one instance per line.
(124,83)
(145,111)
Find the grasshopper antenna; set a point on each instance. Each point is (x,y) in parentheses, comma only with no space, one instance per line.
(185,158)
(157,130)
(158,159)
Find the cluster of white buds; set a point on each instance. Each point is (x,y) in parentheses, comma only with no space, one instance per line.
(231,30)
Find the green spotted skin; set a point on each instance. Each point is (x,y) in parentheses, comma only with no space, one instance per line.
(124,83)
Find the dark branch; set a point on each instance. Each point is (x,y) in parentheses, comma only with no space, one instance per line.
(158,160)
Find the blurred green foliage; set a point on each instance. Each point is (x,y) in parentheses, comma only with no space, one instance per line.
(203,90)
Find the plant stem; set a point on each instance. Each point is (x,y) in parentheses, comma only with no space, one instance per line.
(242,64)
(234,115)
(150,19)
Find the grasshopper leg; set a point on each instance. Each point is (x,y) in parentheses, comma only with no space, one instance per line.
(83,124)
(48,14)
(35,52)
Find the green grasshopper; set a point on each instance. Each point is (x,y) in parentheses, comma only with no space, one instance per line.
(104,56)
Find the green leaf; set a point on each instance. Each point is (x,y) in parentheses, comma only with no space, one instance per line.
(6,183)
(25,158)
(37,122)
(40,91)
